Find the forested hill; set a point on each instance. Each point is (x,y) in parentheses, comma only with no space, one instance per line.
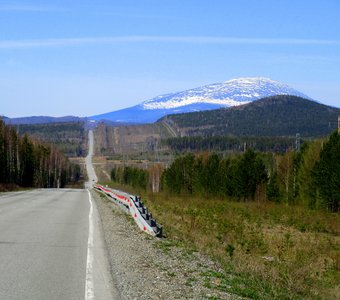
(282,115)
(69,137)
(41,120)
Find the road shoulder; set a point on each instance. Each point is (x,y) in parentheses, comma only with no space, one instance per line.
(150,268)
(103,283)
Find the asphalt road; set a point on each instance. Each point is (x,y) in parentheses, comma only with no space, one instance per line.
(91,174)
(51,246)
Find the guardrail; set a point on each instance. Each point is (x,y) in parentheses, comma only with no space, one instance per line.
(135,206)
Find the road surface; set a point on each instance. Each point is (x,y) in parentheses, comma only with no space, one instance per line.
(51,246)
(91,174)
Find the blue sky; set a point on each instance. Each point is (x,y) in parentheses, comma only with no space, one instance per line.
(85,57)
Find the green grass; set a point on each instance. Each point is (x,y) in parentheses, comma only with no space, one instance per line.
(166,245)
(270,251)
(266,250)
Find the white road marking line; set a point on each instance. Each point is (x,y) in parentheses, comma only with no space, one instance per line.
(89,292)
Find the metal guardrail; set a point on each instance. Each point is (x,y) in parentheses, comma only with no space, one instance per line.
(134,205)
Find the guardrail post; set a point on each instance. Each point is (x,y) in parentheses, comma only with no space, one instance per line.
(138,210)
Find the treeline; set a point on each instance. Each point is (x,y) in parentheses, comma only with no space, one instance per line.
(209,175)
(310,177)
(229,143)
(29,163)
(68,137)
(136,177)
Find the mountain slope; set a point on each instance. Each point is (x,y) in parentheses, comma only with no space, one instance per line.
(282,115)
(230,93)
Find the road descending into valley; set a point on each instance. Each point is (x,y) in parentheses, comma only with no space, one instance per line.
(51,244)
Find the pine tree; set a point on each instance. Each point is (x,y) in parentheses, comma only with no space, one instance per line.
(250,173)
(212,182)
(326,174)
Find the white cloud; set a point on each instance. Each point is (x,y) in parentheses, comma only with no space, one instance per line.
(64,42)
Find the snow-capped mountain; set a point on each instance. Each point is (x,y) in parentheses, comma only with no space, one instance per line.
(230,93)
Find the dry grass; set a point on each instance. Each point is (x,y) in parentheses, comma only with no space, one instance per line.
(273,251)
(267,250)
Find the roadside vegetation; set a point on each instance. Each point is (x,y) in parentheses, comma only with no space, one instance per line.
(272,221)
(137,178)
(25,162)
(267,250)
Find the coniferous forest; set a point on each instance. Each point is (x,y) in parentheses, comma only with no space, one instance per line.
(67,137)
(281,115)
(310,177)
(137,178)
(229,143)
(28,163)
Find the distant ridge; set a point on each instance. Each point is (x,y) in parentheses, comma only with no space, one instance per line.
(282,115)
(230,93)
(41,120)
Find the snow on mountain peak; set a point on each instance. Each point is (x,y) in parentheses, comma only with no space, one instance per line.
(229,93)
(213,96)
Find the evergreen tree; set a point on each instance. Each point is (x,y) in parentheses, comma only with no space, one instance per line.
(326,174)
(113,174)
(250,173)
(228,177)
(211,175)
(187,165)
(27,162)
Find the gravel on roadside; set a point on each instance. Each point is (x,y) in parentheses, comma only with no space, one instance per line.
(144,267)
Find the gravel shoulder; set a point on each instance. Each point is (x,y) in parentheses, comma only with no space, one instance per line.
(144,267)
